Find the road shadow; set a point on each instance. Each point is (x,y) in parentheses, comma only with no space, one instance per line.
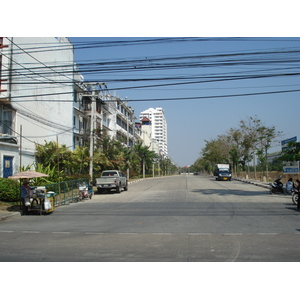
(293,208)
(223,192)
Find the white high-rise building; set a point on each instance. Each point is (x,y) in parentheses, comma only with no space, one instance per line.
(159,127)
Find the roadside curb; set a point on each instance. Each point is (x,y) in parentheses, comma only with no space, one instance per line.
(261,184)
(9,215)
(130,182)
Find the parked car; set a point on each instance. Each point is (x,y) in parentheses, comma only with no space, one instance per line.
(112,180)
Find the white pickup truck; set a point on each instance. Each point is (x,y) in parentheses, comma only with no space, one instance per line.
(111,180)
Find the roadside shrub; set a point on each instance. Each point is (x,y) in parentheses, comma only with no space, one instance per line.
(9,190)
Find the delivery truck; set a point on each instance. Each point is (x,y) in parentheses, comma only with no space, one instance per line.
(222,172)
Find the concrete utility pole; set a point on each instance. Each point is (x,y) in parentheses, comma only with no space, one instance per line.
(93,104)
(93,86)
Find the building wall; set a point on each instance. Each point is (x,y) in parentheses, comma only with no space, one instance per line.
(40,89)
(121,120)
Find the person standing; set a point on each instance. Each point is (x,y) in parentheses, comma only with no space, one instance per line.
(289,185)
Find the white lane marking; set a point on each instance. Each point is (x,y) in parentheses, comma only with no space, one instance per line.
(238,233)
(267,233)
(161,233)
(196,233)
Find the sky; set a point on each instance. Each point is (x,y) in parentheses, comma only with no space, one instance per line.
(191,122)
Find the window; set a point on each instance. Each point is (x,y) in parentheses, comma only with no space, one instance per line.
(1,43)
(6,120)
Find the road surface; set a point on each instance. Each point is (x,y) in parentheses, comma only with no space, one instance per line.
(181,218)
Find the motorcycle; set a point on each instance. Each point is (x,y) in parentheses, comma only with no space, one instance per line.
(85,191)
(276,187)
(295,198)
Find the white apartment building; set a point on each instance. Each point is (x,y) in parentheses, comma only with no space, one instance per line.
(159,128)
(118,120)
(36,97)
(145,127)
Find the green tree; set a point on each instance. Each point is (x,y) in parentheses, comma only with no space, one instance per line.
(55,156)
(144,157)
(265,137)
(239,146)
(258,138)
(81,160)
(217,150)
(235,138)
(291,153)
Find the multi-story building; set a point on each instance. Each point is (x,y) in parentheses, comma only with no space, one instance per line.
(121,120)
(158,128)
(44,98)
(147,138)
(36,97)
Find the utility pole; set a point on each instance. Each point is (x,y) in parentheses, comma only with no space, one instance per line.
(20,168)
(93,104)
(92,86)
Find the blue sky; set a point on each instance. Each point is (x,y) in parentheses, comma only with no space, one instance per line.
(191,122)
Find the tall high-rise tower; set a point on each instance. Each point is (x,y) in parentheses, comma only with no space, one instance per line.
(159,127)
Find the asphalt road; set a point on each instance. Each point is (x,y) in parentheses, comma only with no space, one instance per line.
(170,219)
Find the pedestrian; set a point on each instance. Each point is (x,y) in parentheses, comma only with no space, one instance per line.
(25,197)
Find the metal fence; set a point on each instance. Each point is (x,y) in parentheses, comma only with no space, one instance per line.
(67,191)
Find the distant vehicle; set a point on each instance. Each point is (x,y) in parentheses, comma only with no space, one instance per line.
(222,172)
(196,173)
(111,180)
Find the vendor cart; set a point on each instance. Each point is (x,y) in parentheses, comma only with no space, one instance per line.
(37,199)
(41,201)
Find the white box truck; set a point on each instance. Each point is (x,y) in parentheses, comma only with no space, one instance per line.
(222,172)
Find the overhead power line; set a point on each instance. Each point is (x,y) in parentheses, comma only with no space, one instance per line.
(273,63)
(187,97)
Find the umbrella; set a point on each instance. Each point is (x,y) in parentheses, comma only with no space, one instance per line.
(28,174)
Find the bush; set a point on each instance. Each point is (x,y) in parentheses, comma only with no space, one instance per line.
(9,190)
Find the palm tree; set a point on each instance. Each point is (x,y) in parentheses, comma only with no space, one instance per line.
(145,157)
